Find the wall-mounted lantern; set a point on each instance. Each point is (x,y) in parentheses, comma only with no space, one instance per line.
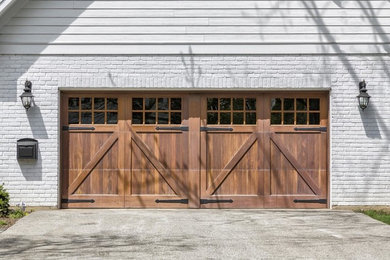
(27,97)
(363,97)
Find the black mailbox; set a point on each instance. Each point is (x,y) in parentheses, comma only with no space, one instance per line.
(27,148)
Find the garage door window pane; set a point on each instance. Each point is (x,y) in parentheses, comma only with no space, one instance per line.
(250,118)
(225,104)
(150,118)
(86,103)
(238,118)
(225,118)
(73,103)
(99,118)
(175,103)
(314,104)
(301,118)
(163,118)
(73,117)
(212,104)
(86,118)
(250,104)
(276,104)
(288,118)
(99,104)
(212,118)
(150,103)
(112,117)
(163,104)
(138,103)
(288,104)
(176,118)
(112,103)
(301,104)
(314,118)
(238,104)
(276,118)
(137,118)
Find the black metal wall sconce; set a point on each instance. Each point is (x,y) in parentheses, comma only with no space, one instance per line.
(363,97)
(27,97)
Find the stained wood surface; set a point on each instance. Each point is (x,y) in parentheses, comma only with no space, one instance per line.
(256,165)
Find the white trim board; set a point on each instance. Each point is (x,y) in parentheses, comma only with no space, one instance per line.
(123,82)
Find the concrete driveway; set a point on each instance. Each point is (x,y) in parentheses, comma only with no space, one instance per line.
(196,234)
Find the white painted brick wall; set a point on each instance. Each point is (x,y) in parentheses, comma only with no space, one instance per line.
(360,143)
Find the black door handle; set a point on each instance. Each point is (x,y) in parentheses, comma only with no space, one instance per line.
(67,128)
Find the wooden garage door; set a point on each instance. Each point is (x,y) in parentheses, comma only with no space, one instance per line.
(180,150)
(91,154)
(157,151)
(231,151)
(297,151)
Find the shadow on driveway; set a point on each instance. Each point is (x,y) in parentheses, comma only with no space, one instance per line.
(196,234)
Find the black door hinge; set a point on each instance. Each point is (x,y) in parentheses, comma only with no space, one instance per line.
(319,129)
(181,201)
(207,201)
(321,201)
(180,128)
(205,128)
(67,128)
(77,201)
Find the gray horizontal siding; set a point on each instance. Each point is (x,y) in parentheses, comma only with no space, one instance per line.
(209,27)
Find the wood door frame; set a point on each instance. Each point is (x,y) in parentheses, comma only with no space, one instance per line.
(262,120)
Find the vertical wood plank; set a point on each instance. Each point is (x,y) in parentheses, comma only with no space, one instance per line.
(203,146)
(194,103)
(265,146)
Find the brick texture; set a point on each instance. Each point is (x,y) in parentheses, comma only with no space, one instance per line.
(360,141)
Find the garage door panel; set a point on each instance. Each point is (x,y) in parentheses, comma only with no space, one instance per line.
(102,181)
(244,176)
(286,157)
(241,182)
(154,167)
(166,148)
(285,179)
(240,159)
(305,147)
(79,158)
(148,181)
(100,154)
(221,147)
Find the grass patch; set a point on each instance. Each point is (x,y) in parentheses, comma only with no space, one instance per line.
(6,223)
(16,214)
(378,215)
(13,216)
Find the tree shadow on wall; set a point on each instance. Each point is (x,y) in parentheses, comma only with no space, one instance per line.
(193,73)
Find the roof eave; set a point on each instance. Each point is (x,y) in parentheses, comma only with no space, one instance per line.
(8,8)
